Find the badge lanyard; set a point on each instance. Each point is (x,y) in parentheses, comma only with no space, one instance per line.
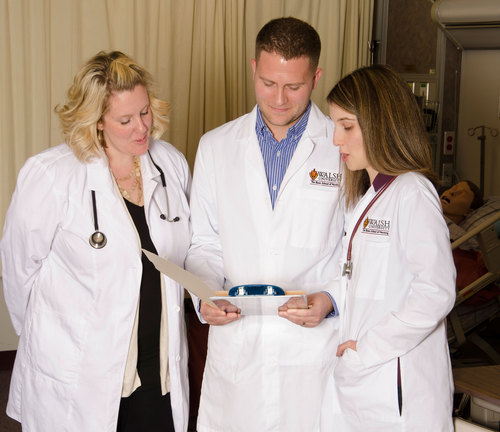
(347,269)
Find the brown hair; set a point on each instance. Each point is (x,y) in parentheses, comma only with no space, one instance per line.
(290,38)
(88,97)
(477,201)
(393,130)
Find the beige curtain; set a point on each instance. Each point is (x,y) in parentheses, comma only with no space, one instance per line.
(199,52)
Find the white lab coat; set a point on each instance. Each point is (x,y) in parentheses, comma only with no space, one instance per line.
(74,306)
(266,373)
(395,304)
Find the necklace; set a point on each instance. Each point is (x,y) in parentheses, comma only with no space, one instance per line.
(136,184)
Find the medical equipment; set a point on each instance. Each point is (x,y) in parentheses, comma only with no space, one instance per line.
(256,289)
(98,239)
(164,184)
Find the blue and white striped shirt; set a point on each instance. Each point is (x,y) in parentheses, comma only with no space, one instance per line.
(277,155)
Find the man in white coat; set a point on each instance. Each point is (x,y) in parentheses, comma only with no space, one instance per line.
(265,209)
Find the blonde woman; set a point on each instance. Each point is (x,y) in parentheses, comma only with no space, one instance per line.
(398,278)
(102,341)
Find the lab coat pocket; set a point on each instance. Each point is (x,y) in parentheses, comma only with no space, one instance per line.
(225,344)
(313,218)
(55,344)
(366,392)
(371,283)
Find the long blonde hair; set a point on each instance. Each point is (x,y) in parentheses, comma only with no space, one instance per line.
(394,134)
(88,97)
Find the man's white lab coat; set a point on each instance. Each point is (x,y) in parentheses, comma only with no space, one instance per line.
(264,373)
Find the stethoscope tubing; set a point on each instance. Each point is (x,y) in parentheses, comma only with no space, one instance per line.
(98,239)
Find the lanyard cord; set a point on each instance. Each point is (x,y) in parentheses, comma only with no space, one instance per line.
(347,270)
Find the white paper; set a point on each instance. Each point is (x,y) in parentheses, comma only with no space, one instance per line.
(188,280)
(260,304)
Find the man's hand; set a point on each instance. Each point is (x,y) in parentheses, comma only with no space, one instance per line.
(352,344)
(319,306)
(226,314)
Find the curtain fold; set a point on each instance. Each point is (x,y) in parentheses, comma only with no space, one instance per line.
(198,51)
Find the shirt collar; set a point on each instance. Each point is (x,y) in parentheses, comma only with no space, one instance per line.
(380,180)
(298,128)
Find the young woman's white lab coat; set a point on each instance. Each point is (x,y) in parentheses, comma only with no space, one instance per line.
(74,306)
(394,306)
(264,373)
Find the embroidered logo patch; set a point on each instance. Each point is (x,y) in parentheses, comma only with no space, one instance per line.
(325,178)
(376,226)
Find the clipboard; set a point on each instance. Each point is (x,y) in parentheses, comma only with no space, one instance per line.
(248,304)
(263,304)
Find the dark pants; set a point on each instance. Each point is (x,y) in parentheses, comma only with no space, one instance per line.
(146,410)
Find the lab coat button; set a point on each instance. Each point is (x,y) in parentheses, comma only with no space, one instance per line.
(177,308)
(178,358)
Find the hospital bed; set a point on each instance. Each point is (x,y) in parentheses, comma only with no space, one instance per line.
(477,257)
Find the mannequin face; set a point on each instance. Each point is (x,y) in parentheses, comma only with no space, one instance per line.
(456,201)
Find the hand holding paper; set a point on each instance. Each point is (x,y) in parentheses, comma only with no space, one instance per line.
(266,304)
(319,306)
(227,312)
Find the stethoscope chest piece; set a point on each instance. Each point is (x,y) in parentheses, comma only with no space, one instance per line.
(98,240)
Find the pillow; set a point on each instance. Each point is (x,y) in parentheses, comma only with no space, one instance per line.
(456,231)
(476,217)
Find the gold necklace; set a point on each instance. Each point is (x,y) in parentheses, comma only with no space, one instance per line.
(128,176)
(137,184)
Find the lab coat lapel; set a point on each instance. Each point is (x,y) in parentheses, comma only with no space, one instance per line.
(315,134)
(110,202)
(155,200)
(300,156)
(99,176)
(150,181)
(257,188)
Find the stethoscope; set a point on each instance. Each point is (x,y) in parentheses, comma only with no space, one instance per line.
(98,239)
(347,268)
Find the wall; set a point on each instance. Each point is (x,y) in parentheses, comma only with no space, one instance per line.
(414,47)
(479,105)
(411,37)
(8,338)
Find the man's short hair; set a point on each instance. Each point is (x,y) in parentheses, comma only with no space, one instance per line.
(290,38)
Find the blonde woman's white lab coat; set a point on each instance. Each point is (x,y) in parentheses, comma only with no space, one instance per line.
(394,306)
(264,373)
(74,306)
